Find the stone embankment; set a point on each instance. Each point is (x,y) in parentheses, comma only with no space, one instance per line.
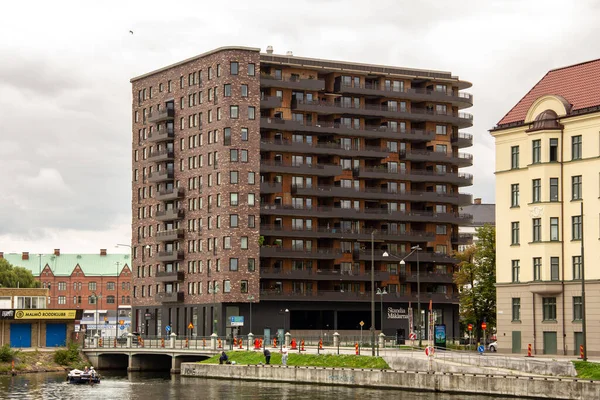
(459,383)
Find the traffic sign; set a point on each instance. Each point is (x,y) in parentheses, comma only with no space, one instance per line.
(168,328)
(429,351)
(191,326)
(481,349)
(236,321)
(121,322)
(470,327)
(412,336)
(122,327)
(362,323)
(483,325)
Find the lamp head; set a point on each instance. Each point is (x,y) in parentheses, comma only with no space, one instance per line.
(402,262)
(386,254)
(416,248)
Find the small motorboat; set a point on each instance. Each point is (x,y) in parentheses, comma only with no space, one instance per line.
(79,377)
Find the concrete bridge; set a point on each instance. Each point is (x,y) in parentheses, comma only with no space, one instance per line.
(145,359)
(156,354)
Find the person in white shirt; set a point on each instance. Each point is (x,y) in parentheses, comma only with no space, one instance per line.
(284,355)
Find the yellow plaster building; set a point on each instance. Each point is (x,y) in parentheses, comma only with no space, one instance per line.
(547,170)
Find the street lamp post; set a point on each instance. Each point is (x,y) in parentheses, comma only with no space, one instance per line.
(251,300)
(402,262)
(284,312)
(215,289)
(381,292)
(373,293)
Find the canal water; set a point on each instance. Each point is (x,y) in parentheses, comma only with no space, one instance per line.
(153,386)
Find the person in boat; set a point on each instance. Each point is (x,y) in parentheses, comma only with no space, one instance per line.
(92,372)
(86,370)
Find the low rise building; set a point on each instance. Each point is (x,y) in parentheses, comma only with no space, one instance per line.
(26,322)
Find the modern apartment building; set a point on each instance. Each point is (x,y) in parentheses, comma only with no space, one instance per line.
(261,182)
(547,171)
(483,214)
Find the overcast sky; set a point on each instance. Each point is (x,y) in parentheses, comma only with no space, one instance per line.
(65,96)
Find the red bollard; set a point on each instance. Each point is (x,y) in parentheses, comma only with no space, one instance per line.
(581,351)
(302,345)
(320,344)
(356,348)
(529,350)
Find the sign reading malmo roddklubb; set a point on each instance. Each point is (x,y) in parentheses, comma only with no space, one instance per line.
(41,314)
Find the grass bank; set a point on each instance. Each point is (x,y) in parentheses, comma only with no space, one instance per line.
(305,360)
(34,360)
(587,370)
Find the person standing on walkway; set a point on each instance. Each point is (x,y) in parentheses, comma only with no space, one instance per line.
(267,354)
(284,355)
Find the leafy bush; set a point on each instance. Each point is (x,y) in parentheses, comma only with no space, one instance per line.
(68,356)
(7,354)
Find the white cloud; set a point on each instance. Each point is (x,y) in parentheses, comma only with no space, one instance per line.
(65,95)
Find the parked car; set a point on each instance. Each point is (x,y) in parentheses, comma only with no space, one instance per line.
(122,340)
(493,347)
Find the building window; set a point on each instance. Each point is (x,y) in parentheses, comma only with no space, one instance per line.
(441,229)
(251,112)
(514,195)
(251,69)
(514,157)
(576,187)
(244,134)
(515,233)
(110,286)
(554,268)
(537,230)
(218,70)
(92,299)
(233,221)
(110,299)
(554,229)
(251,265)
(577,308)
(440,129)
(234,67)
(536,190)
(576,147)
(91,285)
(576,267)
(244,90)
(516,270)
(244,286)
(536,155)
(234,177)
(62,299)
(516,309)
(244,242)
(234,112)
(576,227)
(62,286)
(226,90)
(553,189)
(537,268)
(233,264)
(553,150)
(549,308)
(251,221)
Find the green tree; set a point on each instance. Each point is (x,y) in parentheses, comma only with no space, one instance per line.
(11,276)
(476,278)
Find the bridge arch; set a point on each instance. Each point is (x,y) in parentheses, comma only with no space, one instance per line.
(118,361)
(150,362)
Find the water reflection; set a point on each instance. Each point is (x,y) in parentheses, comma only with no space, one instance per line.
(153,386)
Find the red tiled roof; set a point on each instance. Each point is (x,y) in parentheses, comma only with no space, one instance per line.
(579,84)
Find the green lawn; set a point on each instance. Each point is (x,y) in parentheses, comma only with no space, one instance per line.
(587,370)
(305,360)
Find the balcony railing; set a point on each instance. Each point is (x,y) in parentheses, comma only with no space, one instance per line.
(267,80)
(429,277)
(170,276)
(462,159)
(331,295)
(317,254)
(161,176)
(424,256)
(274,187)
(323,274)
(161,115)
(342,149)
(462,140)
(368,214)
(163,135)
(170,194)
(161,155)
(169,215)
(357,234)
(174,255)
(170,235)
(462,99)
(462,238)
(368,131)
(270,102)
(460,119)
(169,297)
(304,169)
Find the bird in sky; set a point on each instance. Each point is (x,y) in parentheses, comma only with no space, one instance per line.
(131,32)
